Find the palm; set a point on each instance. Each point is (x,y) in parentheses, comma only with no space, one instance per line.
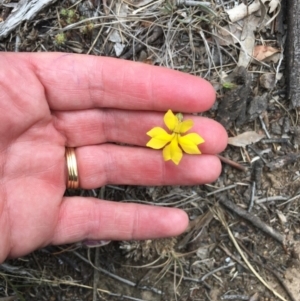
(57,101)
(33,165)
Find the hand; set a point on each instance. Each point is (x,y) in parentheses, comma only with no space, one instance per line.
(52,100)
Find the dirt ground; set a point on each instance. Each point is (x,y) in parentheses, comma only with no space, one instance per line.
(243,242)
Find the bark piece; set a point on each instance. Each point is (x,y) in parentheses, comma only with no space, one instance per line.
(293,51)
(25,10)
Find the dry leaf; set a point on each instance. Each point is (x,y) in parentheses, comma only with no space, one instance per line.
(262,52)
(247,45)
(245,139)
(229,34)
(274,58)
(119,48)
(273,5)
(115,37)
(267,80)
(247,40)
(281,217)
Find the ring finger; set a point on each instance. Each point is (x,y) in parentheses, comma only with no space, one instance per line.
(99,165)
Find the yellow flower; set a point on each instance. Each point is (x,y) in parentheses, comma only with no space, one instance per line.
(174,143)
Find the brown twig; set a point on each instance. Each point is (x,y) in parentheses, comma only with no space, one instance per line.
(257,222)
(232,163)
(96,275)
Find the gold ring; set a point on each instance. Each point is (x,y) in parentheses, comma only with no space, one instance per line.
(73,179)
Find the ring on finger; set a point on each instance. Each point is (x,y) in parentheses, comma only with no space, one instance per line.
(73,178)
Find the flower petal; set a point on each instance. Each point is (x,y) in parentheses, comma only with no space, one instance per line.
(189,143)
(158,132)
(196,138)
(167,152)
(173,152)
(156,143)
(171,120)
(176,152)
(159,138)
(185,125)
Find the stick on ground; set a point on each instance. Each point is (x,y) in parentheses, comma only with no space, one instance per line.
(257,222)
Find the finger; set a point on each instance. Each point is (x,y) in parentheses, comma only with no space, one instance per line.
(112,164)
(91,127)
(74,82)
(88,218)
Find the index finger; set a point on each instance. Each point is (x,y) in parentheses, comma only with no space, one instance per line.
(73,82)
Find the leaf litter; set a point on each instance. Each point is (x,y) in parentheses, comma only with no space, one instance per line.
(245,139)
(237,46)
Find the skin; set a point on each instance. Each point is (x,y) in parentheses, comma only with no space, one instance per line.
(52,100)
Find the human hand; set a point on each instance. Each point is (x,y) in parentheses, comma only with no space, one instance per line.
(53,100)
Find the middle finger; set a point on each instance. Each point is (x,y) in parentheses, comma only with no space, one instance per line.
(91,127)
